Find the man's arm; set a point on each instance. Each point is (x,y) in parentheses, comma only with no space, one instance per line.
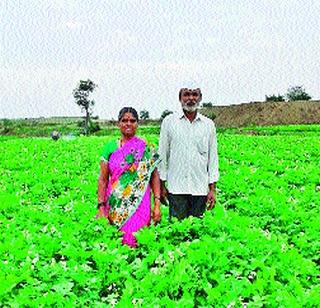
(213,162)
(211,197)
(213,168)
(164,193)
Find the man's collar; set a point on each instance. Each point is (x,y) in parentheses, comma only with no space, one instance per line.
(199,116)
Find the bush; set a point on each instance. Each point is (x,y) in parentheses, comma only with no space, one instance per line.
(92,127)
(211,115)
(275,98)
(144,115)
(297,93)
(207,105)
(165,113)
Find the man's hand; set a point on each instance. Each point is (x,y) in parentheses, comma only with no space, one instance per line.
(211,200)
(156,213)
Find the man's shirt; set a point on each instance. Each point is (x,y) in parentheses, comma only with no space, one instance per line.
(188,153)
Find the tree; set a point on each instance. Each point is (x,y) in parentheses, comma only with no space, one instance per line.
(275,98)
(144,114)
(81,94)
(297,93)
(205,105)
(165,113)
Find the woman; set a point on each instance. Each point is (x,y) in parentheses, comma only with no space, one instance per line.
(128,171)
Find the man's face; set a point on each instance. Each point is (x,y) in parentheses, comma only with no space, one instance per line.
(190,99)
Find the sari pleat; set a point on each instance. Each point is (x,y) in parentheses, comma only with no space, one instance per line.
(141,218)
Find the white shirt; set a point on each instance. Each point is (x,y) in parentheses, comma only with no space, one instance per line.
(188,153)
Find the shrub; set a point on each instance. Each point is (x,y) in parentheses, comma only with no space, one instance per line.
(297,93)
(275,98)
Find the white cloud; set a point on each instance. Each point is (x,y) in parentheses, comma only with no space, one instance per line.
(141,53)
(73,24)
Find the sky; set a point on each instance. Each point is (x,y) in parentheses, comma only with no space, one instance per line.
(140,53)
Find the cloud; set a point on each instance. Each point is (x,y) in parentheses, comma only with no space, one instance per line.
(120,38)
(73,24)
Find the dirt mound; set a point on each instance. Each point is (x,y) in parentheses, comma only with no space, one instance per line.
(265,113)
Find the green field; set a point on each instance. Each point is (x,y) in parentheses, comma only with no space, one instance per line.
(259,247)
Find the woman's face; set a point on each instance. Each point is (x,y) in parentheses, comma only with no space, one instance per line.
(128,125)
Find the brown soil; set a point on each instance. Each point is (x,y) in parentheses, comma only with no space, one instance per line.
(265,113)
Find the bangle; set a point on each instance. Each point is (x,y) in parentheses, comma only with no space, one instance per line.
(102,204)
(156,197)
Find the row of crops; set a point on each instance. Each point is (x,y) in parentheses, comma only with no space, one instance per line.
(259,247)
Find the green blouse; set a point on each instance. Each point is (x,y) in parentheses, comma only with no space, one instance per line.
(108,149)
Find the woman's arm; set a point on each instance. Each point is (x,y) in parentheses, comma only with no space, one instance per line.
(102,186)
(155,186)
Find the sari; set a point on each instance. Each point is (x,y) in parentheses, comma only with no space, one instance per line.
(128,190)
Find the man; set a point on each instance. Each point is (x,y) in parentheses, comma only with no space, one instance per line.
(189,159)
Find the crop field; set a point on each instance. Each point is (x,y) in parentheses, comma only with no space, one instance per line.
(259,247)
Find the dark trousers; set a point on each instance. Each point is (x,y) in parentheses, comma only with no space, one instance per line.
(182,206)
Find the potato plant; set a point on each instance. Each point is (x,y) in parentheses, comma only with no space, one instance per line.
(259,247)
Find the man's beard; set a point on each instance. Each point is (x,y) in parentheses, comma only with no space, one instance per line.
(190,108)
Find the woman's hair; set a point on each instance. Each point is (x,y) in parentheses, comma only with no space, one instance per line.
(128,109)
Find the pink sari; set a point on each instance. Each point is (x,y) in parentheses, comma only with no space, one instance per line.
(128,191)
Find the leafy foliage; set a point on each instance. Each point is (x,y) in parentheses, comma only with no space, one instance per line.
(259,247)
(165,113)
(275,98)
(207,105)
(93,127)
(297,93)
(81,94)
(144,114)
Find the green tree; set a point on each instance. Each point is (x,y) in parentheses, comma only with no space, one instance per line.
(165,113)
(144,114)
(297,93)
(8,126)
(275,98)
(81,95)
(205,105)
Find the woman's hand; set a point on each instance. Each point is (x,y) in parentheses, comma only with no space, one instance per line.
(102,212)
(155,186)
(102,186)
(156,213)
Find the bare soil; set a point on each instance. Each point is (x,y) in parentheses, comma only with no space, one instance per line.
(265,113)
